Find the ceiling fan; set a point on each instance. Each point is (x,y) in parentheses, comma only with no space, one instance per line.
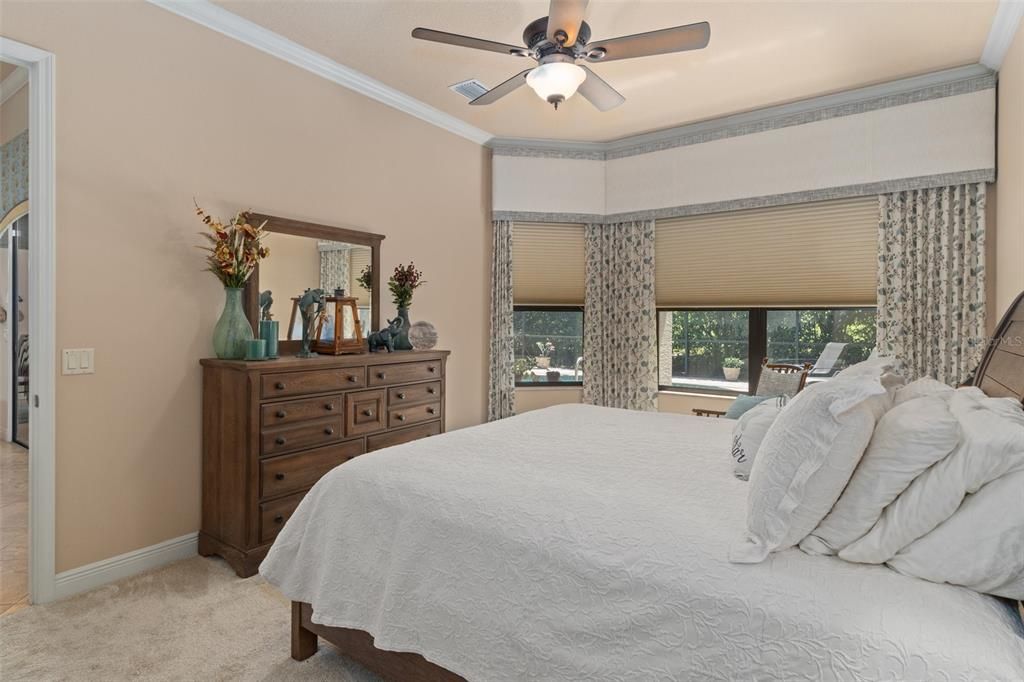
(559,40)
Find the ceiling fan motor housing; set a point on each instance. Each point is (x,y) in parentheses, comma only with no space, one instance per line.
(536,37)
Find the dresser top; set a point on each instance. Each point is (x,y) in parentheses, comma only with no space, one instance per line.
(290,362)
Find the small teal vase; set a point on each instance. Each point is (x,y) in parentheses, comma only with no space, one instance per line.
(402,338)
(233,329)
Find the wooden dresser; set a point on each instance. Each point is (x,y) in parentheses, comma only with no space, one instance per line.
(272,429)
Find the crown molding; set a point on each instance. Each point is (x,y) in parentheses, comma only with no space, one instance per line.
(227,23)
(946,83)
(14,82)
(1009,14)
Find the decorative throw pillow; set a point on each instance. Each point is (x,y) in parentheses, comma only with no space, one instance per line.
(773,383)
(907,440)
(750,431)
(874,366)
(991,445)
(981,546)
(743,403)
(805,461)
(926,386)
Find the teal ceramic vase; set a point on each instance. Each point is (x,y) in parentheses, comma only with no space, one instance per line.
(402,338)
(233,329)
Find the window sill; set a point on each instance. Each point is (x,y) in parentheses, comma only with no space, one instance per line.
(697,393)
(541,386)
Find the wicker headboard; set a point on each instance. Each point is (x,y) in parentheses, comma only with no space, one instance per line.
(1001,372)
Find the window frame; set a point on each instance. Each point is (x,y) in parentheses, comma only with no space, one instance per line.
(526,308)
(757,341)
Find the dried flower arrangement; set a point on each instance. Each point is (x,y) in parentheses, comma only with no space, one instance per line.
(405,280)
(235,248)
(365,278)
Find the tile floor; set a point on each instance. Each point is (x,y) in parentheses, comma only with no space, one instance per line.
(13,528)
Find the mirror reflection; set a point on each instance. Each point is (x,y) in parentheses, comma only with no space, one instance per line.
(298,263)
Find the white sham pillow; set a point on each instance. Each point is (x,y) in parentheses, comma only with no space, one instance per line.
(981,546)
(749,431)
(872,368)
(911,437)
(991,445)
(805,461)
(919,388)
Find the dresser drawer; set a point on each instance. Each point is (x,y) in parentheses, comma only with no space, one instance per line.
(400,396)
(365,412)
(403,416)
(288,473)
(384,375)
(273,515)
(317,381)
(386,440)
(279,414)
(303,435)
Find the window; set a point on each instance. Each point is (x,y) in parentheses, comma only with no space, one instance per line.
(721,350)
(548,283)
(548,345)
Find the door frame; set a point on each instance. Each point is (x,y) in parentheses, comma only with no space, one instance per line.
(42,289)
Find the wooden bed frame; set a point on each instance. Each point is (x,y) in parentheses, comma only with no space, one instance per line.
(1000,374)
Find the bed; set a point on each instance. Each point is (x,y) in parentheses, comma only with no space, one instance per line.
(580,542)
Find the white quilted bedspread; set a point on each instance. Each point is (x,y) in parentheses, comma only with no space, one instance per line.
(586,543)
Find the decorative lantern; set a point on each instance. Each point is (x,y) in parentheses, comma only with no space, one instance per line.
(344,333)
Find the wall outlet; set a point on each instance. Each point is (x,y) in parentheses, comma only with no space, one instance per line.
(79,361)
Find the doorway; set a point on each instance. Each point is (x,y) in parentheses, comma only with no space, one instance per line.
(16,242)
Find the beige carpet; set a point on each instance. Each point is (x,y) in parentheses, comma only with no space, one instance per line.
(193,620)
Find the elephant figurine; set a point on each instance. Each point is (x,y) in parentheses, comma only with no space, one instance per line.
(385,338)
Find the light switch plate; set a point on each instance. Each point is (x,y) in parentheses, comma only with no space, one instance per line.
(78,361)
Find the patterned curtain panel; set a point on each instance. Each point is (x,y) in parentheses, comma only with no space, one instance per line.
(620,354)
(931,280)
(14,173)
(502,397)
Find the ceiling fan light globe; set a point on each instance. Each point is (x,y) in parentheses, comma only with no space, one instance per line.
(556,81)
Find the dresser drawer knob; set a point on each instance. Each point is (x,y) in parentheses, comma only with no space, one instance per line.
(430,410)
(401,396)
(278,477)
(431,390)
(281,414)
(278,519)
(352,379)
(431,369)
(329,431)
(279,385)
(400,417)
(329,406)
(381,375)
(367,413)
(280,440)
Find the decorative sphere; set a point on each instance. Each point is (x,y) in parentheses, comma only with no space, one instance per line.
(422,335)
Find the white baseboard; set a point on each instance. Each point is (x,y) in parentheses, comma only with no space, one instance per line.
(125,565)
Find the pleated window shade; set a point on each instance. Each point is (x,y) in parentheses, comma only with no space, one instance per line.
(547,264)
(359,258)
(818,254)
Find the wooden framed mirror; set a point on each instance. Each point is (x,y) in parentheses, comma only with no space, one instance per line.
(306,255)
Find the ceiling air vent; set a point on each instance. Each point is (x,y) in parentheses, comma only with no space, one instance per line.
(470,89)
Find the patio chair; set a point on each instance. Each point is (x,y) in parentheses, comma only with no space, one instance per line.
(789,388)
(826,364)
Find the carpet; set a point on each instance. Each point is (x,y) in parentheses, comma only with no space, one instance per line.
(192,620)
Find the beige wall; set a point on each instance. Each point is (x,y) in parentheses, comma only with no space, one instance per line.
(683,403)
(14,115)
(1010,180)
(153,110)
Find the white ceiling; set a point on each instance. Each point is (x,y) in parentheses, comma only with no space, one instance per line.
(761,53)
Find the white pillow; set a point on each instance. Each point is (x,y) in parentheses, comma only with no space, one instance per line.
(981,546)
(874,367)
(991,445)
(749,431)
(919,388)
(908,439)
(805,460)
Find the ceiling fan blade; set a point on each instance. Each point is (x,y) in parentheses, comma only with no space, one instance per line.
(499,91)
(677,39)
(599,93)
(566,16)
(467,41)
